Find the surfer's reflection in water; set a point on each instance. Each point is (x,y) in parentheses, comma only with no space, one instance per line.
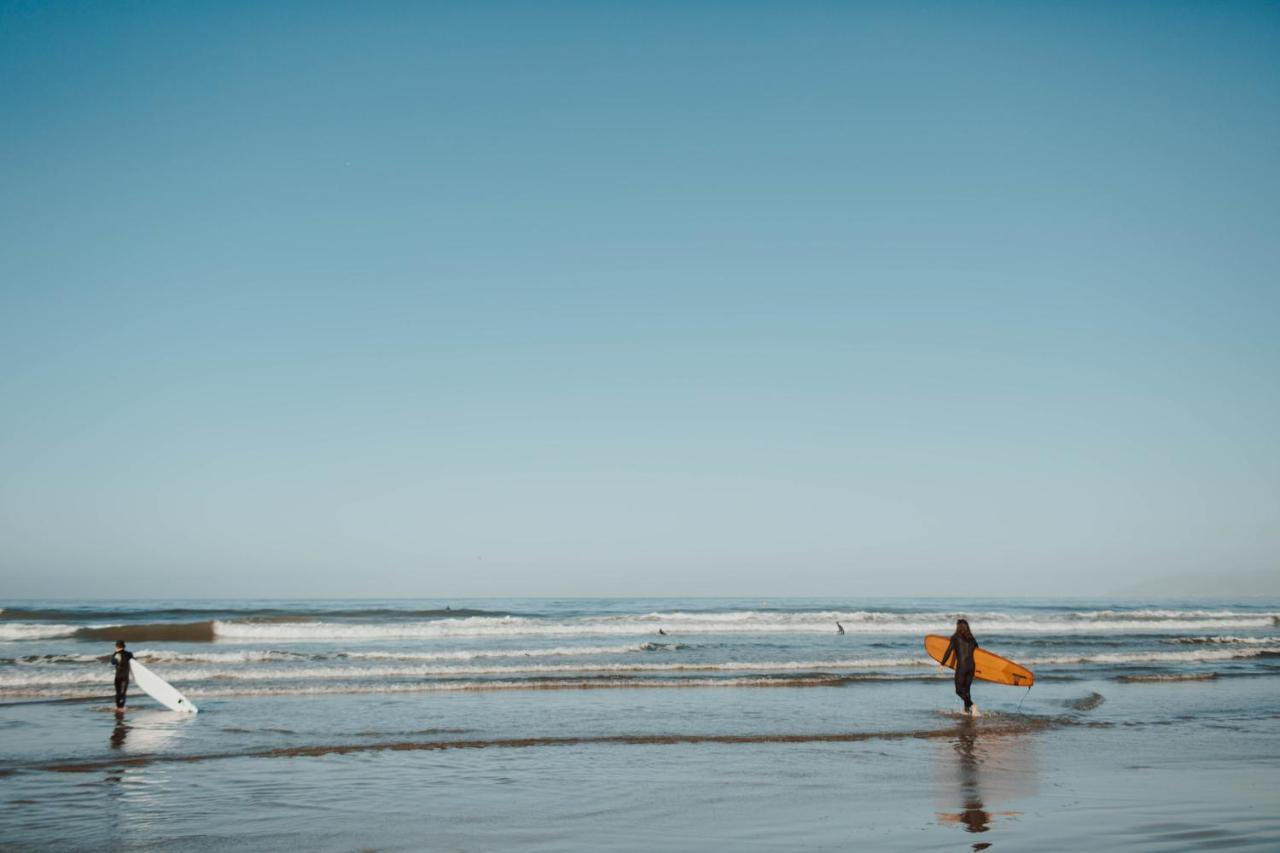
(977,771)
(974,815)
(120,732)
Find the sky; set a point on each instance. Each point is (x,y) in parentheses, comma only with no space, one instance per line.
(648,298)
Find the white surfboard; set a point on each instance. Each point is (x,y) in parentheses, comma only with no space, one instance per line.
(159,689)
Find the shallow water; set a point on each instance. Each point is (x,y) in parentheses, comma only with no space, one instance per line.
(344,726)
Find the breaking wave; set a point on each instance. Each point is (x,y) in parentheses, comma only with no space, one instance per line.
(378,624)
(746,622)
(1200,656)
(259,614)
(1221,641)
(28,678)
(20,631)
(482,654)
(597,683)
(276,655)
(19,678)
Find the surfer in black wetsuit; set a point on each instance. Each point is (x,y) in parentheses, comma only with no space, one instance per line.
(120,660)
(962,646)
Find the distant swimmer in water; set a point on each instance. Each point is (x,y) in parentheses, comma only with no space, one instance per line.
(120,660)
(839,628)
(662,632)
(962,646)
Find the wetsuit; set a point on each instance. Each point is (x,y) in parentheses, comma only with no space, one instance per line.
(120,660)
(963,651)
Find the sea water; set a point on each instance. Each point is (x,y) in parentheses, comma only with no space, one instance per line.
(629,724)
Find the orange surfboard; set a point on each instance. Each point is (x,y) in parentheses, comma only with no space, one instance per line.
(987,666)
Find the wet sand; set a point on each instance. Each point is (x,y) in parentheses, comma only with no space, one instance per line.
(1079,770)
(1005,726)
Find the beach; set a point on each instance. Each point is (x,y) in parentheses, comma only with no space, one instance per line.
(531,724)
(572,427)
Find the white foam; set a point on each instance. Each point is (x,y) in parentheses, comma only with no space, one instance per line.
(747,622)
(1197,656)
(28,677)
(608,669)
(480,654)
(35,631)
(1162,615)
(1213,641)
(43,660)
(555,684)
(246,656)
(166,656)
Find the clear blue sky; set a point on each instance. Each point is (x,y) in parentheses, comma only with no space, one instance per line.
(637,298)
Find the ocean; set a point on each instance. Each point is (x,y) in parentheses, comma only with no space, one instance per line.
(629,724)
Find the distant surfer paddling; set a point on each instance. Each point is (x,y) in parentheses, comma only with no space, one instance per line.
(962,647)
(120,660)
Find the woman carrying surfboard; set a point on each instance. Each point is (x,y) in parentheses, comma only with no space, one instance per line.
(961,651)
(962,646)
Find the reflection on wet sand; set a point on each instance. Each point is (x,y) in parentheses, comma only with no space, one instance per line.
(120,732)
(151,742)
(974,816)
(976,770)
(145,733)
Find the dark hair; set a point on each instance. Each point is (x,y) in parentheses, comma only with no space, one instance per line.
(119,644)
(962,630)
